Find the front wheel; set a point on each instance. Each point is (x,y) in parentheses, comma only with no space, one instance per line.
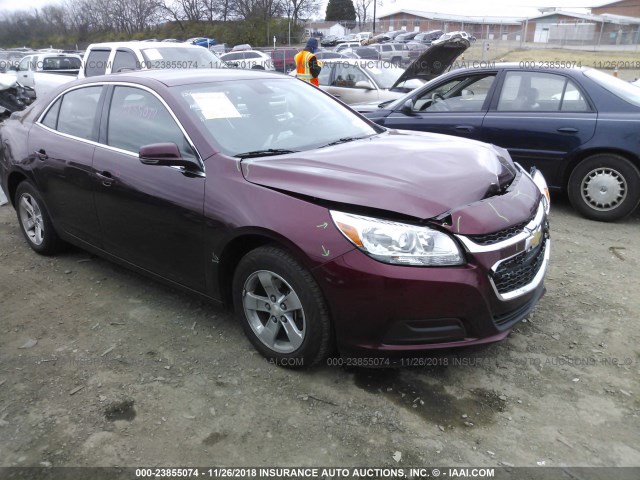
(605,187)
(34,220)
(281,308)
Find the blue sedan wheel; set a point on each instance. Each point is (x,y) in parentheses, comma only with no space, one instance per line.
(605,187)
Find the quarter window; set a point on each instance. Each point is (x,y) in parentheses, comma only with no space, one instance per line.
(138,118)
(77,112)
(51,118)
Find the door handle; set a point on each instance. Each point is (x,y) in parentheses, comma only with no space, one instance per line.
(41,155)
(464,128)
(106,177)
(568,130)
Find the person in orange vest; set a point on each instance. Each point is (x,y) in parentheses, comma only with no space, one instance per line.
(307,67)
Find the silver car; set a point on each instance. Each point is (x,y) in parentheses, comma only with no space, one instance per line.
(358,81)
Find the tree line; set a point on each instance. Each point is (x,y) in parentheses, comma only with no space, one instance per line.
(79,22)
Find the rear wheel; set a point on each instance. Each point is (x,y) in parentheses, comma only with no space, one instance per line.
(281,308)
(396,61)
(34,220)
(605,187)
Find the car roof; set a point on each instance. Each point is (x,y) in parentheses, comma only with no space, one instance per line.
(174,77)
(134,45)
(517,66)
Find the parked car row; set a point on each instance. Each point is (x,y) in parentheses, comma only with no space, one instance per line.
(579,126)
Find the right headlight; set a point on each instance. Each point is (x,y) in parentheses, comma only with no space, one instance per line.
(399,243)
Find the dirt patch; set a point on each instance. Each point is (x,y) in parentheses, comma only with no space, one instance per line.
(116,369)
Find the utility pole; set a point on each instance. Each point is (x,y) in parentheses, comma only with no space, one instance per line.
(375,2)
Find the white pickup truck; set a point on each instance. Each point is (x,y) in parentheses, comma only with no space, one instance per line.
(45,71)
(116,57)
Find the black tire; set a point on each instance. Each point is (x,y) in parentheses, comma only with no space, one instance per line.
(605,187)
(312,319)
(396,61)
(34,220)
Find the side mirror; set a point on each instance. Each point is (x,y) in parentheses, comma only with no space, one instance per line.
(364,84)
(165,154)
(407,107)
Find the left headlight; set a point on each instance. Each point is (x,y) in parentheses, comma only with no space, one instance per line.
(398,243)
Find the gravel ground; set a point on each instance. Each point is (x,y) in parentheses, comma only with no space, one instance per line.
(100,367)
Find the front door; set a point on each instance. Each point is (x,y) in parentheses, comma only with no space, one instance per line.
(456,107)
(151,216)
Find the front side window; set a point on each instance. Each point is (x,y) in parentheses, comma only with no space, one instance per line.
(137,118)
(24,64)
(77,113)
(462,94)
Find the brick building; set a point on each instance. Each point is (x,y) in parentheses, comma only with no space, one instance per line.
(504,28)
(568,28)
(627,8)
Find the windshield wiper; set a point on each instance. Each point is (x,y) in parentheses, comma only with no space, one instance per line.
(264,153)
(346,140)
(384,104)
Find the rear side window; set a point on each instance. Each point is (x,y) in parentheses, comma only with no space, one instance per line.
(96,63)
(77,112)
(138,118)
(124,61)
(540,92)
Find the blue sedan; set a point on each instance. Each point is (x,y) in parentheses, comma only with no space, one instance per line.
(579,126)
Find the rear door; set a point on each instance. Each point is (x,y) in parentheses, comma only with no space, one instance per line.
(540,118)
(63,144)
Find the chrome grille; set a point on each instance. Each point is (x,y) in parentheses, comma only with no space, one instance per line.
(520,270)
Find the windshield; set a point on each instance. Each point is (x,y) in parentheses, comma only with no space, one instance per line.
(618,87)
(180,57)
(270,113)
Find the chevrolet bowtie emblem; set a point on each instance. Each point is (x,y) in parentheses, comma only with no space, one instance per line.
(534,240)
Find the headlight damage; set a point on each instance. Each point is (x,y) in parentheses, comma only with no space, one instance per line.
(398,243)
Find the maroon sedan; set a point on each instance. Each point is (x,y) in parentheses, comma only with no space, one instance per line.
(254,189)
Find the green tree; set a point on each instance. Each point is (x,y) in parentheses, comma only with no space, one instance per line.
(338,10)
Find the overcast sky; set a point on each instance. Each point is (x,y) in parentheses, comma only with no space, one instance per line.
(466,7)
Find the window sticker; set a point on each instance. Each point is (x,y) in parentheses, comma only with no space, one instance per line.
(215,105)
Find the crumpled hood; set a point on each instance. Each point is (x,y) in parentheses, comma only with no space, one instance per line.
(418,174)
